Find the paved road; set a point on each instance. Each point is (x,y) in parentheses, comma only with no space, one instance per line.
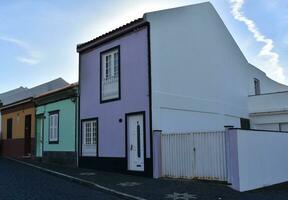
(19,182)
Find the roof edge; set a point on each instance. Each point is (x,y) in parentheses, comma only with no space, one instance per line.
(17,103)
(205,2)
(59,90)
(138,23)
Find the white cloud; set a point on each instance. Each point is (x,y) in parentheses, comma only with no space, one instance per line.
(271,65)
(32,57)
(28,61)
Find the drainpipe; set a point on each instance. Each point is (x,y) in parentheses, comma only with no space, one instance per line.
(76,129)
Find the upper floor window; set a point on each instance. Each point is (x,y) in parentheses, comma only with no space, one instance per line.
(257,86)
(245,123)
(110,74)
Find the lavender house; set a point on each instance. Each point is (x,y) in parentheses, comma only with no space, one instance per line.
(115,101)
(175,70)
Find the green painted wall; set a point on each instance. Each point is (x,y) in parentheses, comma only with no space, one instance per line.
(66,125)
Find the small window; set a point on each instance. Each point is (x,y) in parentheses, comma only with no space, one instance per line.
(257,86)
(283,127)
(9,128)
(54,127)
(245,123)
(110,75)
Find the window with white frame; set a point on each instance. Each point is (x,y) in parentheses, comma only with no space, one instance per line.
(89,137)
(110,76)
(53,127)
(90,132)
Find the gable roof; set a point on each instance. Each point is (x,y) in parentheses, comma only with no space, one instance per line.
(137,23)
(46,87)
(69,91)
(17,95)
(112,34)
(72,85)
(11,95)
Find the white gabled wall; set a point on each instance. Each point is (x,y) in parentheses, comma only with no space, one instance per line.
(199,75)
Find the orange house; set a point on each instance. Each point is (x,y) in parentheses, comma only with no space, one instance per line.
(17,133)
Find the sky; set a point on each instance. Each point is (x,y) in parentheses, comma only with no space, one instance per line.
(38,38)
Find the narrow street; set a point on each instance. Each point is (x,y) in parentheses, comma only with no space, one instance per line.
(19,182)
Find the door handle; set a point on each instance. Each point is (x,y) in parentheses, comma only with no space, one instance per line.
(131,147)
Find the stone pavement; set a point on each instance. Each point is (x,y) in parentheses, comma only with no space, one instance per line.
(20,182)
(148,188)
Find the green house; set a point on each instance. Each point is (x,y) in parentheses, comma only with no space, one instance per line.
(56,125)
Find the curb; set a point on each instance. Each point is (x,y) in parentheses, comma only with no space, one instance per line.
(81,181)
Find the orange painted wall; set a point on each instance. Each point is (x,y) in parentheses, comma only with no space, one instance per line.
(18,117)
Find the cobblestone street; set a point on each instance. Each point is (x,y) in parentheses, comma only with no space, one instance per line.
(19,182)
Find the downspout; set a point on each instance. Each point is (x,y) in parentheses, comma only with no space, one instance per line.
(76,129)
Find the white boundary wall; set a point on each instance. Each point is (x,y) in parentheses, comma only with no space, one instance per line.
(258,158)
(200,155)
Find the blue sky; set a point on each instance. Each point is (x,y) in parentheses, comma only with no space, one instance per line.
(38,38)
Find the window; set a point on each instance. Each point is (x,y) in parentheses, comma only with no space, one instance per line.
(110,74)
(90,132)
(257,86)
(89,137)
(9,128)
(245,123)
(53,127)
(283,127)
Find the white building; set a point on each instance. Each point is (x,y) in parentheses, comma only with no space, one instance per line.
(200,78)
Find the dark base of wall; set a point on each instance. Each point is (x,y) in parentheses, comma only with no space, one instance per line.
(114,165)
(60,157)
(15,147)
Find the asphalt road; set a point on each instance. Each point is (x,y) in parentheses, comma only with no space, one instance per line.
(19,182)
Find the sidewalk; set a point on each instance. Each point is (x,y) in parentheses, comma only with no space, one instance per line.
(135,187)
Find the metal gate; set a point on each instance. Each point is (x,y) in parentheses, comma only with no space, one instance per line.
(199,155)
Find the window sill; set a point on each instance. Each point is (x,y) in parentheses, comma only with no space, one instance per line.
(109,100)
(53,142)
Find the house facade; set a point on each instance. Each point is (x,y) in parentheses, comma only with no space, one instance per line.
(18,119)
(17,128)
(115,128)
(175,70)
(56,125)
(9,97)
(161,59)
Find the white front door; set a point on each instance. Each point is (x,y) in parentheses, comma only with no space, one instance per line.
(135,142)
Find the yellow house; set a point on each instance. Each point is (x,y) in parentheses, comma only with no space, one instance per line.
(17,133)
